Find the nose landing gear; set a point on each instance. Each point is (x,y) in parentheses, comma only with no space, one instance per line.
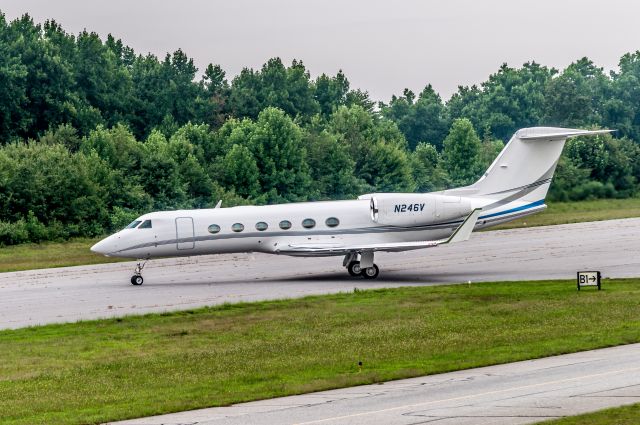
(137,279)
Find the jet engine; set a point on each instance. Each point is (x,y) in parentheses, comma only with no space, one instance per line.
(417,209)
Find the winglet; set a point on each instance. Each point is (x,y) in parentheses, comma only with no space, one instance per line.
(463,232)
(219,204)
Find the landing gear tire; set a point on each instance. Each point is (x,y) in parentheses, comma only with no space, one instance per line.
(354,268)
(137,279)
(371,272)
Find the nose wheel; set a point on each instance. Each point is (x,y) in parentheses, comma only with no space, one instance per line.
(137,279)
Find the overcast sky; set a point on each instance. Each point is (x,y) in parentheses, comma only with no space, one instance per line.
(382,46)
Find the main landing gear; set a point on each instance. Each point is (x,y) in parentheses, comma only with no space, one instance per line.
(137,279)
(363,267)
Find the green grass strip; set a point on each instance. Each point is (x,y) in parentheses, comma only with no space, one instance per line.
(579,212)
(50,254)
(626,415)
(96,371)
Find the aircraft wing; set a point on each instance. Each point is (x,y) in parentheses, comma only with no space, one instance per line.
(462,233)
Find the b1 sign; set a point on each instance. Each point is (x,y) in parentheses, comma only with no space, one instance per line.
(591,278)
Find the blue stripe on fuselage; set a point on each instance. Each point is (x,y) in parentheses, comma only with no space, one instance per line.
(524,207)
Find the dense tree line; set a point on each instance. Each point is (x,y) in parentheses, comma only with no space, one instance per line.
(92,133)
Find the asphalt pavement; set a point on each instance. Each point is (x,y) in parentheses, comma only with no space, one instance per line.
(88,292)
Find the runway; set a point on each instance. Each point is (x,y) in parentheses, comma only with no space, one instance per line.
(89,292)
(516,393)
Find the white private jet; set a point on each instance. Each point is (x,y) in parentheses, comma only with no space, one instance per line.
(514,186)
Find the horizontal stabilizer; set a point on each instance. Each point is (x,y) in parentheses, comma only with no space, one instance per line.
(536,134)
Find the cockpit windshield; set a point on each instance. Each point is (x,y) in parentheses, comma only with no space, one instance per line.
(133,224)
(145,225)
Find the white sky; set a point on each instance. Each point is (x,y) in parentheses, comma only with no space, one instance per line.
(381,45)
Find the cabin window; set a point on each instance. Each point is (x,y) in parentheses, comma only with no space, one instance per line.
(285,225)
(261,226)
(332,222)
(237,227)
(214,228)
(145,225)
(308,223)
(133,224)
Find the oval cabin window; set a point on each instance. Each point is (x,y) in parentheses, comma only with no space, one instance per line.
(308,223)
(261,226)
(285,225)
(214,228)
(332,222)
(237,227)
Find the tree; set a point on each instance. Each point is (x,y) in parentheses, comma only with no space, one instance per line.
(13,75)
(424,120)
(101,83)
(331,167)
(574,98)
(288,89)
(65,135)
(355,127)
(117,146)
(609,161)
(240,172)
(213,104)
(621,110)
(426,164)
(510,99)
(82,193)
(386,168)
(160,175)
(276,143)
(191,171)
(461,153)
(489,151)
(330,93)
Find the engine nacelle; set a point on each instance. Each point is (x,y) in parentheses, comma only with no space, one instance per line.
(417,209)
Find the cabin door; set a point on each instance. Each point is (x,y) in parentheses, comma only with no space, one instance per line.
(185,233)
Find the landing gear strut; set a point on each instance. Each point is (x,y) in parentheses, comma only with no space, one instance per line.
(137,279)
(361,267)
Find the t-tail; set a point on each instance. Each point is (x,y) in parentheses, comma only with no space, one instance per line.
(519,178)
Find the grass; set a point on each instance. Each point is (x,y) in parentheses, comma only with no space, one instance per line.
(577,212)
(626,415)
(50,254)
(76,252)
(97,371)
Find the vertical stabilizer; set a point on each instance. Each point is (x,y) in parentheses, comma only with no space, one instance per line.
(525,167)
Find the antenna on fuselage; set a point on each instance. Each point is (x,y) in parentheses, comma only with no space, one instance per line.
(219,204)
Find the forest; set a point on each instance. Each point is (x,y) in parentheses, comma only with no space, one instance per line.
(93,133)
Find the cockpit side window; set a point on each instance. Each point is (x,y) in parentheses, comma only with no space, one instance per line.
(133,224)
(145,225)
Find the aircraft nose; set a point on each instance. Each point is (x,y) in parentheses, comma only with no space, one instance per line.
(104,247)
